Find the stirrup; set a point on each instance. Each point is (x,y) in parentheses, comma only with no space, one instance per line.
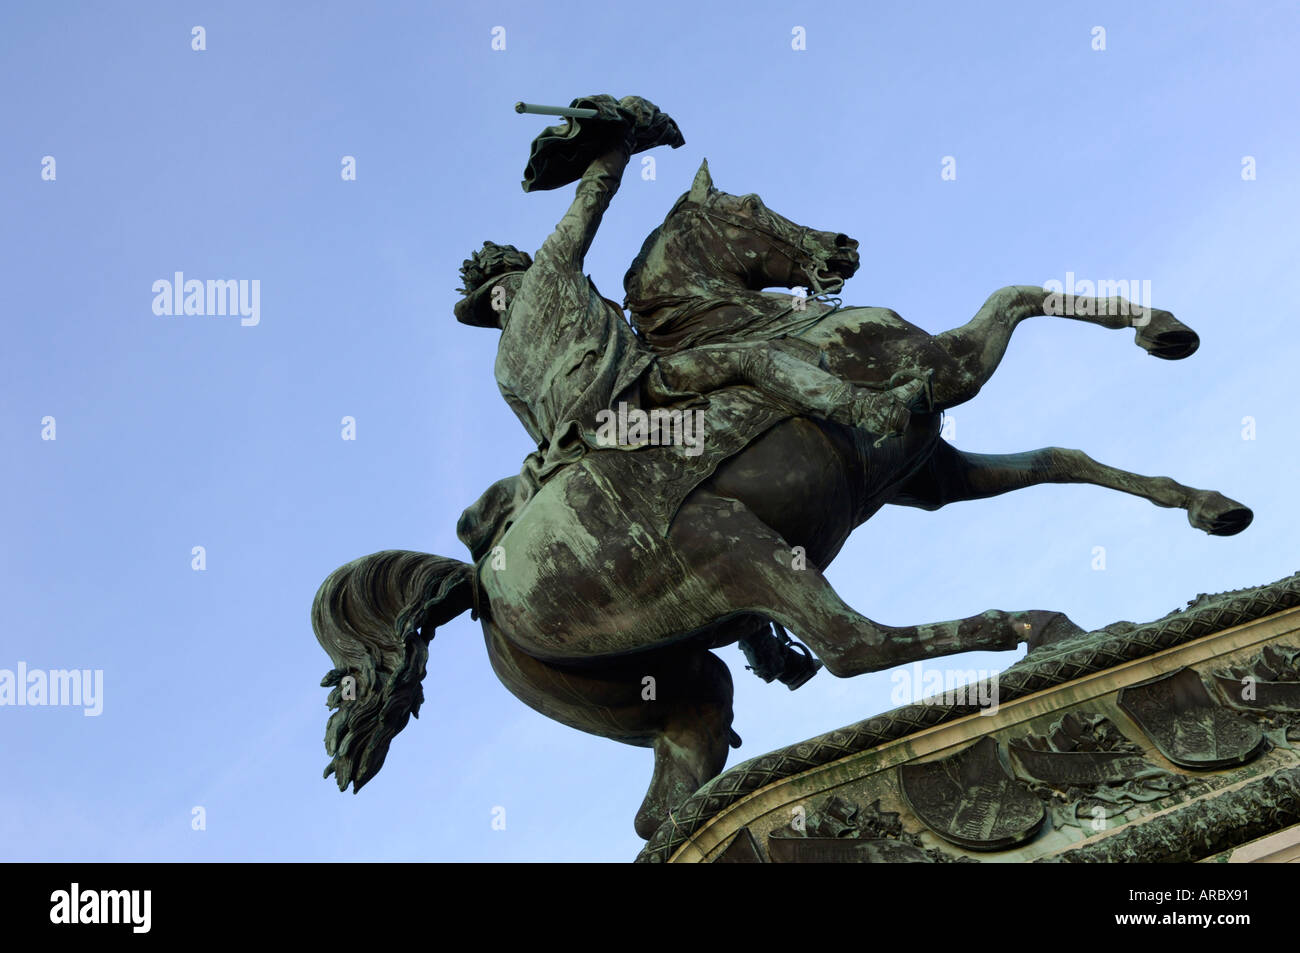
(800,666)
(777,657)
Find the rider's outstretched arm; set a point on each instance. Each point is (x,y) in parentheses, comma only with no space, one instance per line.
(785,379)
(568,244)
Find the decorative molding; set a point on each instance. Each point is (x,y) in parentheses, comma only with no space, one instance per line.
(1097,655)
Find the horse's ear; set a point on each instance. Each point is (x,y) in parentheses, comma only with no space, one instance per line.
(703,184)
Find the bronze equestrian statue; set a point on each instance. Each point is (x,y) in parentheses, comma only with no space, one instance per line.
(605,571)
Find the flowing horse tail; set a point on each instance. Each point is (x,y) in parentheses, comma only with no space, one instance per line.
(375,617)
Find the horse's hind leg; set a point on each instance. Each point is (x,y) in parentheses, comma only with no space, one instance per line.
(977,347)
(742,565)
(954,475)
(692,710)
(676,700)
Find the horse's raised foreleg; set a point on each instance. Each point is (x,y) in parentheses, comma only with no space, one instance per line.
(977,347)
(747,567)
(954,475)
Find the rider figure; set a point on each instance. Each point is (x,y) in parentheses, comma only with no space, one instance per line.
(567,353)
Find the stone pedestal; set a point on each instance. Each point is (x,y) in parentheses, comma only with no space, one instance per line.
(1177,740)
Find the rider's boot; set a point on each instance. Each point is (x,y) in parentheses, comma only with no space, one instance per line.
(887,413)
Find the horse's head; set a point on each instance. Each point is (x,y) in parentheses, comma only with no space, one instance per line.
(711,239)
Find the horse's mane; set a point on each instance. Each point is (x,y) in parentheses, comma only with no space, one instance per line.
(634,280)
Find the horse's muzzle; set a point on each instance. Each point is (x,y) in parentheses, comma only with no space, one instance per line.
(844,260)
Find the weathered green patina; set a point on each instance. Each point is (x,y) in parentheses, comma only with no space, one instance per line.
(608,568)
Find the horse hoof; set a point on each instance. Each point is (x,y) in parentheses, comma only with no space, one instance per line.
(1047,627)
(1165,337)
(1217,515)
(648,819)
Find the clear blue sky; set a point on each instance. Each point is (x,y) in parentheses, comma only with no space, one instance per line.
(175,432)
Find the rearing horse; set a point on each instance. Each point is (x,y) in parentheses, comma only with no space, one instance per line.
(605,625)
(729,248)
